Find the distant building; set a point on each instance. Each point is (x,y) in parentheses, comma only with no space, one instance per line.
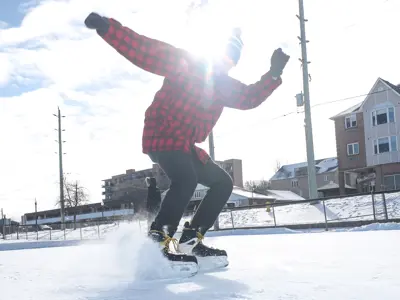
(88,212)
(367,140)
(294,177)
(234,168)
(130,187)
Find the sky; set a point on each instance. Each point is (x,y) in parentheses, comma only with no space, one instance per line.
(48,59)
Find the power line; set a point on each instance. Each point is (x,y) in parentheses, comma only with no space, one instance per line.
(351,98)
(265,121)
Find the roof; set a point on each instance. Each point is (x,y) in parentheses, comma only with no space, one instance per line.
(354,109)
(358,107)
(326,165)
(333,186)
(241,192)
(249,194)
(392,86)
(284,195)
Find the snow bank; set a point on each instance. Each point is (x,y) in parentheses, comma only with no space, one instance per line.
(37,244)
(370,227)
(258,231)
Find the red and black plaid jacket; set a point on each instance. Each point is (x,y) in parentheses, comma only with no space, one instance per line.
(189,103)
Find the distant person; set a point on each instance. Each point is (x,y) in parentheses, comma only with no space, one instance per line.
(153,200)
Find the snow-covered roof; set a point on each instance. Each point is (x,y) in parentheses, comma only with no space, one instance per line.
(241,193)
(248,194)
(322,166)
(284,195)
(354,109)
(332,185)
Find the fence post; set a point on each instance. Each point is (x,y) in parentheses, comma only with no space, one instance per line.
(384,206)
(26,233)
(37,234)
(64,231)
(17,232)
(98,229)
(233,223)
(80,231)
(373,205)
(273,214)
(50,234)
(326,219)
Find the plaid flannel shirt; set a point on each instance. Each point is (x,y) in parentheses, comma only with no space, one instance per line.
(190,102)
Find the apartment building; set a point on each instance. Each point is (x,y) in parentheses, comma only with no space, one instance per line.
(294,178)
(367,137)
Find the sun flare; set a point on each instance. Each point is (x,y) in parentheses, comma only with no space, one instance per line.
(207,31)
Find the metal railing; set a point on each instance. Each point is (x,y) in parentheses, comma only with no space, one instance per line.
(344,211)
(323,213)
(78,231)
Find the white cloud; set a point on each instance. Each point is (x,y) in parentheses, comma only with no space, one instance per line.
(3,24)
(5,70)
(61,63)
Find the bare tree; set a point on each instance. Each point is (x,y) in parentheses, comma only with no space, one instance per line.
(278,165)
(75,195)
(258,186)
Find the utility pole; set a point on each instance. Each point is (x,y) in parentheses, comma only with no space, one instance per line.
(3,219)
(312,180)
(60,162)
(36,213)
(212,155)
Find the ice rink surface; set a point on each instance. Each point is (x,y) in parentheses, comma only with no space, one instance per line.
(320,266)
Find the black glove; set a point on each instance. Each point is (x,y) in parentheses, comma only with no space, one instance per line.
(278,62)
(95,21)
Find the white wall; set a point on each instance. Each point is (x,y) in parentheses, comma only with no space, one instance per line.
(375,101)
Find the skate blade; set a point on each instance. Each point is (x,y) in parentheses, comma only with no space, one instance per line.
(212,263)
(183,269)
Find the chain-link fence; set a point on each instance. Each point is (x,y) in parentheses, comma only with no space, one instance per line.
(325,213)
(356,210)
(75,231)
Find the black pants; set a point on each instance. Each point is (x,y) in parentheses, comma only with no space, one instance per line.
(185,171)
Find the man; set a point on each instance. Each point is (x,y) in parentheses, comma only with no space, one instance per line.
(183,113)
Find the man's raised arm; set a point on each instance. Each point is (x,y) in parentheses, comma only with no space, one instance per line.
(146,53)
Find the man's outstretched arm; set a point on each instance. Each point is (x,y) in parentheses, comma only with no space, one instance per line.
(149,54)
(235,94)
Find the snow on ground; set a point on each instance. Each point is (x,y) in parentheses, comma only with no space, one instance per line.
(346,209)
(329,266)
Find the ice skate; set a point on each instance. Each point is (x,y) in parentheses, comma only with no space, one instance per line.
(209,259)
(180,262)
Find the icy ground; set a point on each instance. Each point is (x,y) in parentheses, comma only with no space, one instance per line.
(329,266)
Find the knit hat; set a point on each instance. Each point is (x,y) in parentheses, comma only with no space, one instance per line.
(234,45)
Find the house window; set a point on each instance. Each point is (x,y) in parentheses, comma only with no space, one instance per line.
(351,121)
(326,178)
(353,149)
(392,182)
(383,116)
(197,194)
(385,144)
(295,183)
